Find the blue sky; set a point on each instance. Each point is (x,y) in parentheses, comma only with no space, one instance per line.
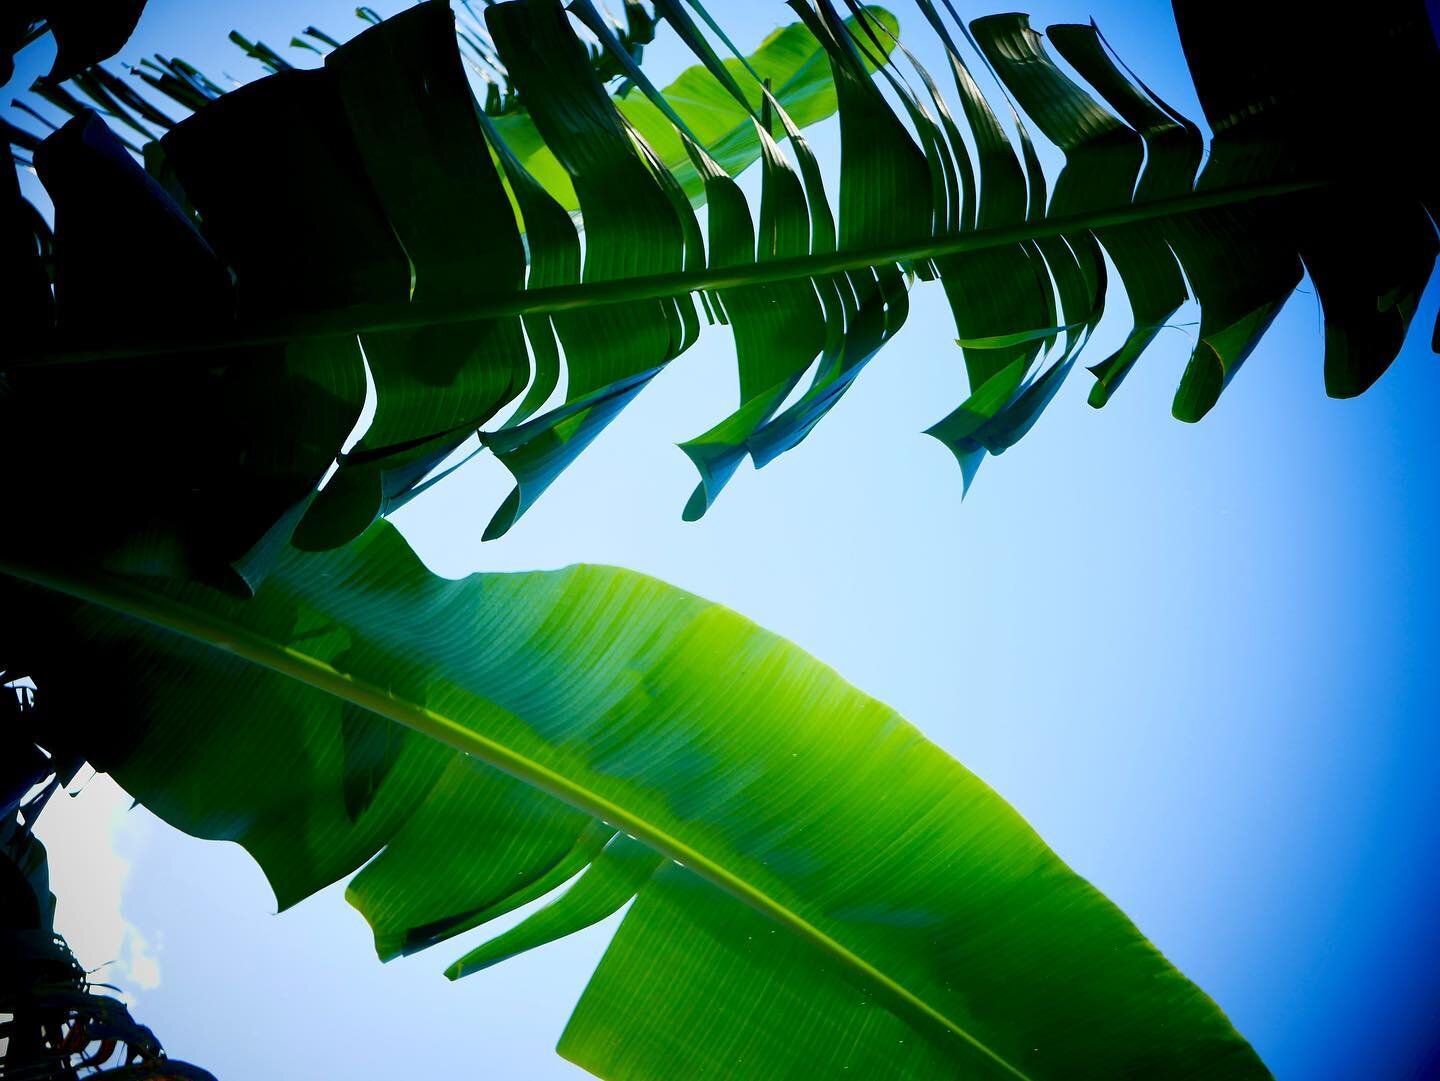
(1198,658)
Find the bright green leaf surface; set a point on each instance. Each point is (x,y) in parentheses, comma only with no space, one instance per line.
(790,58)
(845,884)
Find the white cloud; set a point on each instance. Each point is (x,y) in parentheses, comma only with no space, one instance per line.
(91,838)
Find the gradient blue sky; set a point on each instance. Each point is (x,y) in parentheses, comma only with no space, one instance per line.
(1199,659)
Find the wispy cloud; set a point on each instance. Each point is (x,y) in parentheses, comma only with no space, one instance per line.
(91,838)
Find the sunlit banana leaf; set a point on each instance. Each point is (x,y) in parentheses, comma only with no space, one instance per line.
(816,886)
(387,204)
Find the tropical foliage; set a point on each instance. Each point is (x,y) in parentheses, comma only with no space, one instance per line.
(814,885)
(1024,271)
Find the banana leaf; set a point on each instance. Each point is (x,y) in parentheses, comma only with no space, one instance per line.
(520,273)
(815,886)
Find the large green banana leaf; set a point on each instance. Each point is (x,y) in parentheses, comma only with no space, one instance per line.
(817,888)
(373,196)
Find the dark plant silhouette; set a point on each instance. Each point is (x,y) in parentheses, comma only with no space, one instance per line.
(56,1024)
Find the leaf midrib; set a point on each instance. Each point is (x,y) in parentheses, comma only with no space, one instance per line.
(185,620)
(554,299)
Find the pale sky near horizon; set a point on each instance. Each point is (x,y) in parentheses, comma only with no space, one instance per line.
(1199,659)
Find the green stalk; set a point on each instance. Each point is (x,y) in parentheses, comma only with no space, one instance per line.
(63,349)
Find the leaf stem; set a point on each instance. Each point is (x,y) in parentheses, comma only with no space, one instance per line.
(65,348)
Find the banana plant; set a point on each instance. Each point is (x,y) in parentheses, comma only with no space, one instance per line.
(815,887)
